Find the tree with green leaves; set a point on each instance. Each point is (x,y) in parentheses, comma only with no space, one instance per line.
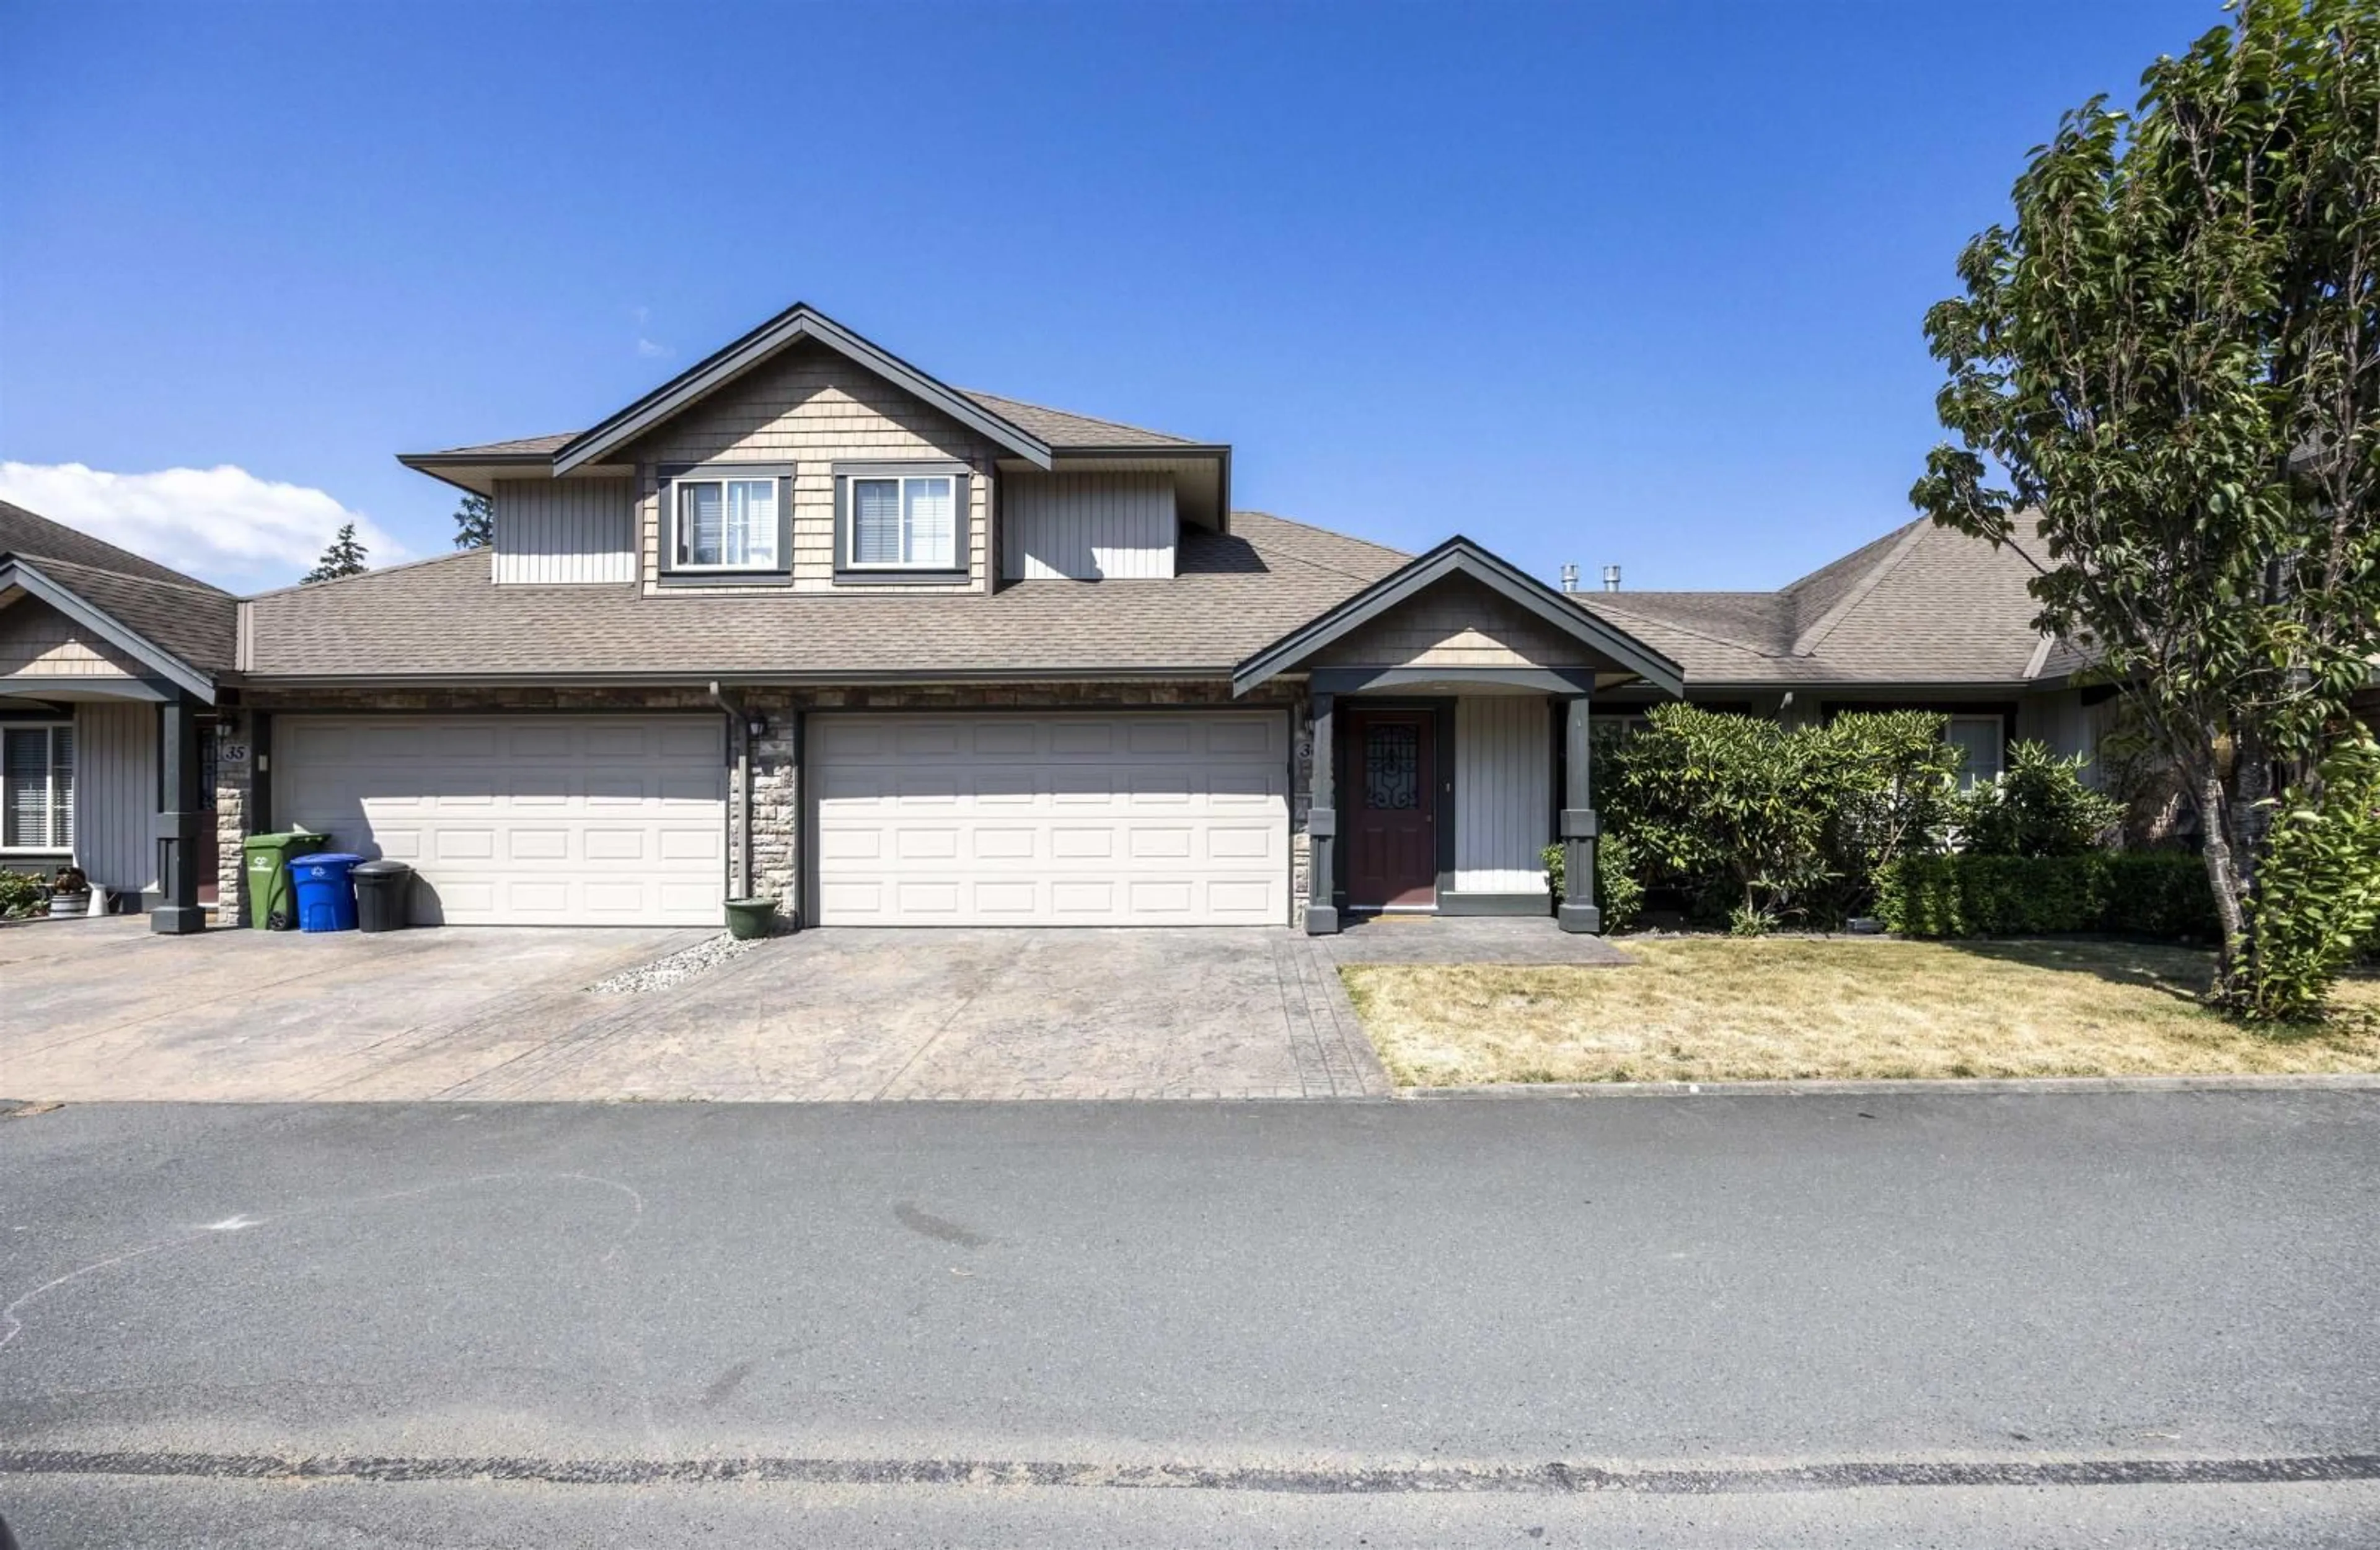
(2172,357)
(346,556)
(475,523)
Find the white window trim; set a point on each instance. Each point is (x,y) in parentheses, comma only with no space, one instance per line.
(780,482)
(850,561)
(50,780)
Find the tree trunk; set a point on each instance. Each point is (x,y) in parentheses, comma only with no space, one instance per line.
(2223,877)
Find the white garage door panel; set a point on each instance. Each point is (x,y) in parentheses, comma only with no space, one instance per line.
(1156,818)
(543,820)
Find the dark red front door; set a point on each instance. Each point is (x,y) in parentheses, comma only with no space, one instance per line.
(1391,780)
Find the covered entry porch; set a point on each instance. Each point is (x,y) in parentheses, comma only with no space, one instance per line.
(1448,711)
(1441,796)
(106,738)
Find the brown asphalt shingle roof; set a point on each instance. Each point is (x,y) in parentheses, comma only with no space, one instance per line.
(1063,430)
(519,446)
(1920,605)
(197,623)
(445,618)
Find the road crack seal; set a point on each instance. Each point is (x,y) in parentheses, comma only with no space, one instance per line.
(1551,1479)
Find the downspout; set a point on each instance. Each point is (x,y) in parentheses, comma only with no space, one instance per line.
(740,728)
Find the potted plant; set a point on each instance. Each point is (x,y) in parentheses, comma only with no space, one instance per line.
(69,893)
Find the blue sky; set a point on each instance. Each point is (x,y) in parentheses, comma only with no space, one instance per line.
(1636,285)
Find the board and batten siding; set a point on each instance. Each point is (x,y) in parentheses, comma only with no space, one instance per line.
(115,794)
(1503,794)
(1087,526)
(559,531)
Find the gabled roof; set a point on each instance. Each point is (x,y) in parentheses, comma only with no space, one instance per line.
(1921,605)
(179,627)
(1033,434)
(1067,434)
(1458,556)
(797,323)
(31,534)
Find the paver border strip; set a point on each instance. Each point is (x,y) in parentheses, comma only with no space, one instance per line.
(1979,1085)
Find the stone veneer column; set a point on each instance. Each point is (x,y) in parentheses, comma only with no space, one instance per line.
(234,788)
(776,817)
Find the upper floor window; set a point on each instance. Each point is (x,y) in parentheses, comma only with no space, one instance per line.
(37,787)
(906,523)
(727,522)
(727,517)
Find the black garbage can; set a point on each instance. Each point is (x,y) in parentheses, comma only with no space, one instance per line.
(383,895)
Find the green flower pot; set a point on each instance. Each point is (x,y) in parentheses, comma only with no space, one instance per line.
(748,918)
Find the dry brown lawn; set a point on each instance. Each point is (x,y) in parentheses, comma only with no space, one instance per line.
(1720,1009)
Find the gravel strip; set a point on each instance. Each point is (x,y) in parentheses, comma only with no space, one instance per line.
(675,969)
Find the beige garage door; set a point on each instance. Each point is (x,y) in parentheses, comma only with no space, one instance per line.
(521,821)
(1159,818)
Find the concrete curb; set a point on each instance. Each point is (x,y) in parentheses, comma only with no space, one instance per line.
(2033,1085)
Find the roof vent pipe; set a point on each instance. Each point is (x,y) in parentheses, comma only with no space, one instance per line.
(1612,578)
(1570,578)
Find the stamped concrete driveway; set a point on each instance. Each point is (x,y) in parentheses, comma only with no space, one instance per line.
(102,1010)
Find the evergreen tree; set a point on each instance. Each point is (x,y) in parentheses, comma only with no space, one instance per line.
(345,556)
(475,523)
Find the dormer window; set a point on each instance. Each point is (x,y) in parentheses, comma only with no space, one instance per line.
(900,523)
(729,519)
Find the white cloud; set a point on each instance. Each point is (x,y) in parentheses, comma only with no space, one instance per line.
(223,524)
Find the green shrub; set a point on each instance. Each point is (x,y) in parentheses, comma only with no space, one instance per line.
(1620,896)
(1617,891)
(1891,790)
(2317,899)
(2162,894)
(1759,824)
(2039,805)
(20,894)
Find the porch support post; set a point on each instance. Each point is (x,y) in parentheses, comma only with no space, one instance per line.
(1578,912)
(1322,826)
(177,826)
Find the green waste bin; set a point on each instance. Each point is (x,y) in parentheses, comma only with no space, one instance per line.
(272,904)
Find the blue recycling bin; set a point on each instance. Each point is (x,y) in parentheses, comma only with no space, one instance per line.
(326,895)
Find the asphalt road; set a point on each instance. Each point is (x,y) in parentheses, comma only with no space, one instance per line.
(1955,1320)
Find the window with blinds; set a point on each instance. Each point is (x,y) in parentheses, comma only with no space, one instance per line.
(727,524)
(37,788)
(904,524)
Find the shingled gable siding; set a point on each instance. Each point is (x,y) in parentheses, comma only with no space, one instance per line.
(812,409)
(37,641)
(776,810)
(1457,624)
